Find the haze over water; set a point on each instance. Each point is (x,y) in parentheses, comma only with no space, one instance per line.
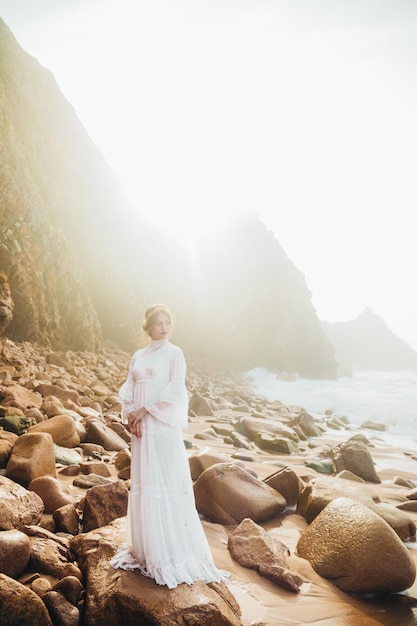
(388,397)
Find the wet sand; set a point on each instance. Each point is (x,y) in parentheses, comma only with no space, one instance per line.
(319,602)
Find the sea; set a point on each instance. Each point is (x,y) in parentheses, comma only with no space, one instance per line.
(387,397)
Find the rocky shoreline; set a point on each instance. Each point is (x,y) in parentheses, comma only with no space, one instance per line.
(314,519)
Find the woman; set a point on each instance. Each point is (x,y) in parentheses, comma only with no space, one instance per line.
(165,539)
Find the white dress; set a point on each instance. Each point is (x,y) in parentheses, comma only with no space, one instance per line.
(165,539)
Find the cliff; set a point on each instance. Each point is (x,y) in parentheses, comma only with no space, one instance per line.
(368,343)
(81,265)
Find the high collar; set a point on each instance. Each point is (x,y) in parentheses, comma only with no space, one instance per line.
(155,344)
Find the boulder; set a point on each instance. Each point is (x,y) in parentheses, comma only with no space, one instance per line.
(60,610)
(54,493)
(7,441)
(61,428)
(103,504)
(357,550)
(46,389)
(20,605)
(50,554)
(307,424)
(20,397)
(251,427)
(354,456)
(17,424)
(102,435)
(32,456)
(316,495)
(201,461)
(14,553)
(274,443)
(66,519)
(226,493)
(199,405)
(18,506)
(251,546)
(287,483)
(127,597)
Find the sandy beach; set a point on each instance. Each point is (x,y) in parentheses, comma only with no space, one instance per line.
(319,602)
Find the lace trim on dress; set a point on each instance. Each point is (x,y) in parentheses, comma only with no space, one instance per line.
(188,571)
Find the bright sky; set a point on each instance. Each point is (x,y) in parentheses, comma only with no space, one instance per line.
(303,112)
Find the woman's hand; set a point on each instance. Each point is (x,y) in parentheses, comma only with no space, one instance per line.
(134,419)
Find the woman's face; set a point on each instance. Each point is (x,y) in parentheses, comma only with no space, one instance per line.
(161,328)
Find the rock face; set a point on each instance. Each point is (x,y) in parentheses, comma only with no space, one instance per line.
(367,343)
(65,235)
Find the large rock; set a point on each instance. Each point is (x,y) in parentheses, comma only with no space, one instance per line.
(103,504)
(14,552)
(287,483)
(54,492)
(62,429)
(50,554)
(251,427)
(18,506)
(102,435)
(118,597)
(316,495)
(357,550)
(203,460)
(226,493)
(251,546)
(7,441)
(20,397)
(355,457)
(20,605)
(33,455)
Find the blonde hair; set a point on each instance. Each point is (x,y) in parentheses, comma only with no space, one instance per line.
(151,315)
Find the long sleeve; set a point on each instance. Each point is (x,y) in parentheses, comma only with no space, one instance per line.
(126,396)
(172,405)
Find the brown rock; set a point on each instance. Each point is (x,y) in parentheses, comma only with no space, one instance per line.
(317,495)
(60,610)
(103,504)
(66,519)
(357,550)
(54,493)
(46,389)
(252,427)
(40,586)
(71,588)
(32,456)
(251,546)
(307,424)
(287,483)
(355,457)
(93,467)
(14,552)
(20,605)
(199,405)
(61,428)
(21,398)
(122,459)
(201,461)
(49,554)
(118,597)
(226,493)
(7,441)
(99,433)
(18,506)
